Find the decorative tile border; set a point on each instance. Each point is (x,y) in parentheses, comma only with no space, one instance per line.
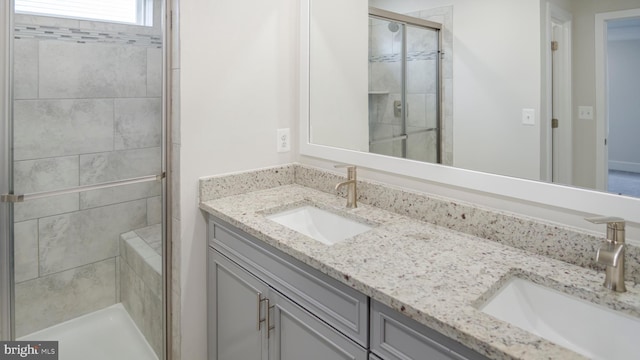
(82,36)
(411,56)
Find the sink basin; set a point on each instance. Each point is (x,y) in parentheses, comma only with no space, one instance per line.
(321,225)
(586,328)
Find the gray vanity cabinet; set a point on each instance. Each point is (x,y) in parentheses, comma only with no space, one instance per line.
(258,310)
(397,337)
(236,314)
(239,327)
(297,334)
(266,305)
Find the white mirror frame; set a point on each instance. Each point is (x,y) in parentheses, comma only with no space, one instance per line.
(563,197)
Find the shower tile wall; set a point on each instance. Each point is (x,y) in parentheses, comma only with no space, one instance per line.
(87,110)
(385,69)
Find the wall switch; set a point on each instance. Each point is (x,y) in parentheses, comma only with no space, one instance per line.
(528,117)
(284,140)
(585,112)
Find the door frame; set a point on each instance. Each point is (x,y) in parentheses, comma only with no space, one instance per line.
(602,96)
(555,14)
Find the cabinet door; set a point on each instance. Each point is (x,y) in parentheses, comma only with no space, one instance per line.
(296,335)
(396,337)
(236,326)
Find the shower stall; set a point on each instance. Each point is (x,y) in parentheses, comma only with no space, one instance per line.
(83,245)
(404,86)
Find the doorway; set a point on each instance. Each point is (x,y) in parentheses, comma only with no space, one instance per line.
(616,157)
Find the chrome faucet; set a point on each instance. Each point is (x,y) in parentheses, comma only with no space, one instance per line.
(352,194)
(611,253)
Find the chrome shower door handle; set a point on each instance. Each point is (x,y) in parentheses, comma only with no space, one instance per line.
(18,198)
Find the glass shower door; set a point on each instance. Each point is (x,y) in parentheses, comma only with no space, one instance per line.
(422,94)
(87,185)
(404,87)
(386,87)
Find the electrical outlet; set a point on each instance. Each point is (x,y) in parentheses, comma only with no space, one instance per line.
(283,140)
(585,112)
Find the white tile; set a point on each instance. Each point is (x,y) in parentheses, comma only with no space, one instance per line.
(46,174)
(154,72)
(38,208)
(26,250)
(381,39)
(117,165)
(52,299)
(416,110)
(83,237)
(48,128)
(25,69)
(154,210)
(138,123)
(386,76)
(72,70)
(422,77)
(119,194)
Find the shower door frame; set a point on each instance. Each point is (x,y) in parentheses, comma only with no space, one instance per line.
(7,284)
(425,24)
(7,322)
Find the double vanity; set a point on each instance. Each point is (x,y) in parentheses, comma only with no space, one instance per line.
(293,273)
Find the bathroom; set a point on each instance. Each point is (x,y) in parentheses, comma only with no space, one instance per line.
(235,78)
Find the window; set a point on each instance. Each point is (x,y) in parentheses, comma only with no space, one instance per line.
(135,12)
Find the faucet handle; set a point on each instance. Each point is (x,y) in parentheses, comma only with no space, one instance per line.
(342,166)
(604,219)
(615,227)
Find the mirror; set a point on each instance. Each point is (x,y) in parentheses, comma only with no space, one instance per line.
(500,86)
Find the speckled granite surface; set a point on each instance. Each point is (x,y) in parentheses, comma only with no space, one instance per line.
(432,274)
(567,244)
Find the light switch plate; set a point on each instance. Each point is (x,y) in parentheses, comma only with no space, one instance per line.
(585,112)
(528,117)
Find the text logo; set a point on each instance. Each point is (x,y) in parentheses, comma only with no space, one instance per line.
(29,350)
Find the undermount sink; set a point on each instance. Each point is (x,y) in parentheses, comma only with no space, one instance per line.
(318,224)
(586,328)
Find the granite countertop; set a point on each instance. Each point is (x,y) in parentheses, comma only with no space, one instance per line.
(432,274)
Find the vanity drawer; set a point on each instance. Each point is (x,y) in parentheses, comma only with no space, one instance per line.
(396,337)
(340,306)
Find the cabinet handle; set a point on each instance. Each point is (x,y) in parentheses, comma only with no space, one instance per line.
(260,300)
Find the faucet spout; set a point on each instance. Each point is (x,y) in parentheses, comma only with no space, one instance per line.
(351,182)
(612,253)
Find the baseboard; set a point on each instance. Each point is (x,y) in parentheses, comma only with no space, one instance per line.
(624,166)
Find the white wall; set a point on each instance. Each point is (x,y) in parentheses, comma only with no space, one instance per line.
(238,85)
(339,74)
(493,81)
(624,107)
(584,131)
